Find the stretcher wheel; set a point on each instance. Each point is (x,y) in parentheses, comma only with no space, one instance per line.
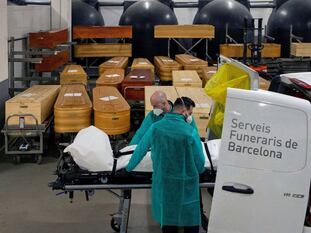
(38,159)
(114,225)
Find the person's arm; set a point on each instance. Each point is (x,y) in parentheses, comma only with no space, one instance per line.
(147,122)
(198,154)
(141,150)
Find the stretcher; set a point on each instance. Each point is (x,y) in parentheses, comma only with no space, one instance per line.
(72,177)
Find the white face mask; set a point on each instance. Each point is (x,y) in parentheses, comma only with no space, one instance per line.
(157,111)
(189,119)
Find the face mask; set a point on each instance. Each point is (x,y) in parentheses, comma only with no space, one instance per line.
(189,119)
(157,111)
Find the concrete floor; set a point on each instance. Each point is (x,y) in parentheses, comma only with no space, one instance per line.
(28,205)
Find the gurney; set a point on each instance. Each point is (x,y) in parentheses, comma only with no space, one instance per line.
(88,165)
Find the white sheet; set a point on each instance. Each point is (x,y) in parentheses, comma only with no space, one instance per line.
(91,150)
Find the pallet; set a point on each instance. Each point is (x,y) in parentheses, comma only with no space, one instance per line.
(47,39)
(111,111)
(301,49)
(114,63)
(102,50)
(111,77)
(164,67)
(184,31)
(72,110)
(51,63)
(170,92)
(98,32)
(191,63)
(201,112)
(38,100)
(186,78)
(134,83)
(73,74)
(207,73)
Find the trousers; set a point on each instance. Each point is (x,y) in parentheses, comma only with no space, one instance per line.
(174,229)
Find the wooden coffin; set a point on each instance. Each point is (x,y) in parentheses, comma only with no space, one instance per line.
(133,86)
(73,74)
(184,31)
(186,78)
(102,50)
(301,49)
(111,111)
(264,84)
(53,62)
(201,112)
(98,32)
(170,92)
(38,100)
(207,73)
(111,77)
(164,67)
(48,39)
(114,63)
(142,64)
(72,110)
(270,50)
(191,63)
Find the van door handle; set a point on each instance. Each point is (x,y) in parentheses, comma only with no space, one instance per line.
(238,188)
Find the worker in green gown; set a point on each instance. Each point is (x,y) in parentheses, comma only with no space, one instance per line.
(177,160)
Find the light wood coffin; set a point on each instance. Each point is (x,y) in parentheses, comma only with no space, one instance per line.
(111,111)
(207,73)
(73,74)
(191,63)
(111,77)
(73,109)
(38,100)
(114,63)
(201,112)
(184,31)
(164,67)
(301,49)
(186,78)
(142,64)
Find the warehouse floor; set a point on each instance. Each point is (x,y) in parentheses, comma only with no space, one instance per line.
(28,205)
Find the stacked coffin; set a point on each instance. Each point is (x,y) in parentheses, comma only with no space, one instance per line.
(111,77)
(165,66)
(73,74)
(186,78)
(72,110)
(207,73)
(111,111)
(142,64)
(114,63)
(191,63)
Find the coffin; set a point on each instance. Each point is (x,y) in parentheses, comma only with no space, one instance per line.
(164,67)
(37,100)
(170,92)
(73,74)
(191,63)
(53,62)
(72,110)
(102,50)
(111,77)
(111,111)
(142,64)
(264,84)
(48,39)
(301,49)
(134,83)
(201,112)
(114,63)
(186,78)
(184,31)
(207,73)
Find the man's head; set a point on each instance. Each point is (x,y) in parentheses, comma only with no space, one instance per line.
(159,102)
(184,106)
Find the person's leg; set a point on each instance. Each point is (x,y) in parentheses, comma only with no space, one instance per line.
(204,218)
(170,229)
(194,229)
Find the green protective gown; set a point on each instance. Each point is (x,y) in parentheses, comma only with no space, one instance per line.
(148,121)
(177,159)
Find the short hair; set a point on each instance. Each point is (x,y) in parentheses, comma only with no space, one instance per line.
(184,101)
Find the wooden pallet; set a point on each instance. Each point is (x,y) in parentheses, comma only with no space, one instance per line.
(301,49)
(186,78)
(111,77)
(111,111)
(191,63)
(47,39)
(102,50)
(72,110)
(114,63)
(207,73)
(73,74)
(98,32)
(51,63)
(164,67)
(134,83)
(201,112)
(170,92)
(37,100)
(184,31)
